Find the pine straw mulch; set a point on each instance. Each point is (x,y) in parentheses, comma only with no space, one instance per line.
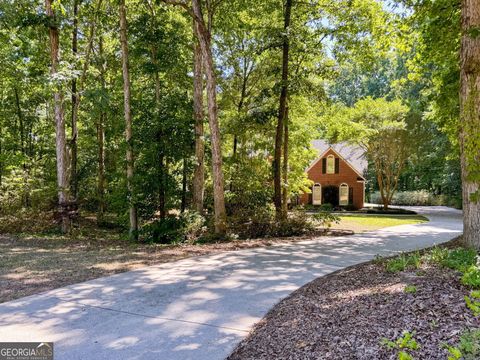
(345,315)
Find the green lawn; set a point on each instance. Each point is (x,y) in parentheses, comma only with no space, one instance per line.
(360,222)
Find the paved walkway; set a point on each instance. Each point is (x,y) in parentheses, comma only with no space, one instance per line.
(198,308)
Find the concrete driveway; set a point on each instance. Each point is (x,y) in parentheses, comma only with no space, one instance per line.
(198,308)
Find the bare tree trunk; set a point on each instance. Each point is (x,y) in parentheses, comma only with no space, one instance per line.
(75,100)
(277,168)
(199,169)
(285,168)
(21,128)
(60,141)
(133,233)
(101,140)
(217,173)
(184,186)
(470,121)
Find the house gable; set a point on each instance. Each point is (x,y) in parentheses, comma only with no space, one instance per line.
(331,151)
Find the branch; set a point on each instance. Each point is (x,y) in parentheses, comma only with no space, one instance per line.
(183,5)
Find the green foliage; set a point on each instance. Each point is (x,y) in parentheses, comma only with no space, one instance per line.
(174,229)
(473,303)
(406,341)
(403,262)
(468,347)
(417,198)
(262,223)
(410,289)
(325,218)
(460,259)
(471,277)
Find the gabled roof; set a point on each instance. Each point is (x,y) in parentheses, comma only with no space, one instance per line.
(354,155)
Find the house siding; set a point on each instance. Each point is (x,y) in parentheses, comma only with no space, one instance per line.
(345,175)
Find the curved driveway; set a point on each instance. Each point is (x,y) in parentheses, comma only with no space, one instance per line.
(198,308)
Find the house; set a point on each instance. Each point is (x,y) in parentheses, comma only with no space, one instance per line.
(337,175)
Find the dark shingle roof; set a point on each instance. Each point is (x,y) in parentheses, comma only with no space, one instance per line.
(353,154)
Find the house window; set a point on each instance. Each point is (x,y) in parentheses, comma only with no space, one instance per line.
(317,194)
(343,194)
(330,164)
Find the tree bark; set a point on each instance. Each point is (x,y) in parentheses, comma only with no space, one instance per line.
(75,100)
(470,121)
(217,172)
(60,141)
(277,166)
(133,233)
(101,141)
(183,205)
(21,129)
(199,169)
(285,167)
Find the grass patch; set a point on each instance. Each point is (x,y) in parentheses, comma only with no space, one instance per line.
(360,222)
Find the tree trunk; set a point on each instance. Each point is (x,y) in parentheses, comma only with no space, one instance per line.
(101,140)
(21,129)
(277,168)
(184,186)
(199,170)
(285,167)
(217,173)
(60,141)
(133,233)
(75,100)
(470,121)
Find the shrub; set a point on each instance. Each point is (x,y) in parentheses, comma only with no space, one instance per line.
(173,229)
(261,222)
(417,197)
(325,219)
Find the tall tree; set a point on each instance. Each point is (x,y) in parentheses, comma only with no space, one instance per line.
(199,170)
(204,36)
(75,101)
(277,168)
(470,120)
(133,232)
(61,150)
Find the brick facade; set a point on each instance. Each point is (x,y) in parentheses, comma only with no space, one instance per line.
(345,175)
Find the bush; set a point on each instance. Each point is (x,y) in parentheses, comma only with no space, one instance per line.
(174,229)
(472,277)
(261,222)
(418,198)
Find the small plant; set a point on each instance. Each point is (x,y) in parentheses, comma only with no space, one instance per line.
(410,289)
(404,261)
(468,347)
(473,302)
(460,259)
(471,276)
(404,342)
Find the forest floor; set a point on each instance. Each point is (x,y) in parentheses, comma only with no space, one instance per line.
(375,310)
(31,263)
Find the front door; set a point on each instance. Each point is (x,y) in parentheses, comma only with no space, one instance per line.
(330,195)
(317,194)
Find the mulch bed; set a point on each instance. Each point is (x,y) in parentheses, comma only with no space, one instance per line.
(345,315)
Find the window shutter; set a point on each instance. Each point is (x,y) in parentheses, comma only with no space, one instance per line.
(324,165)
(350,195)
(337,165)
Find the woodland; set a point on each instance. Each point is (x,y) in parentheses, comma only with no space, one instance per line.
(176,120)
